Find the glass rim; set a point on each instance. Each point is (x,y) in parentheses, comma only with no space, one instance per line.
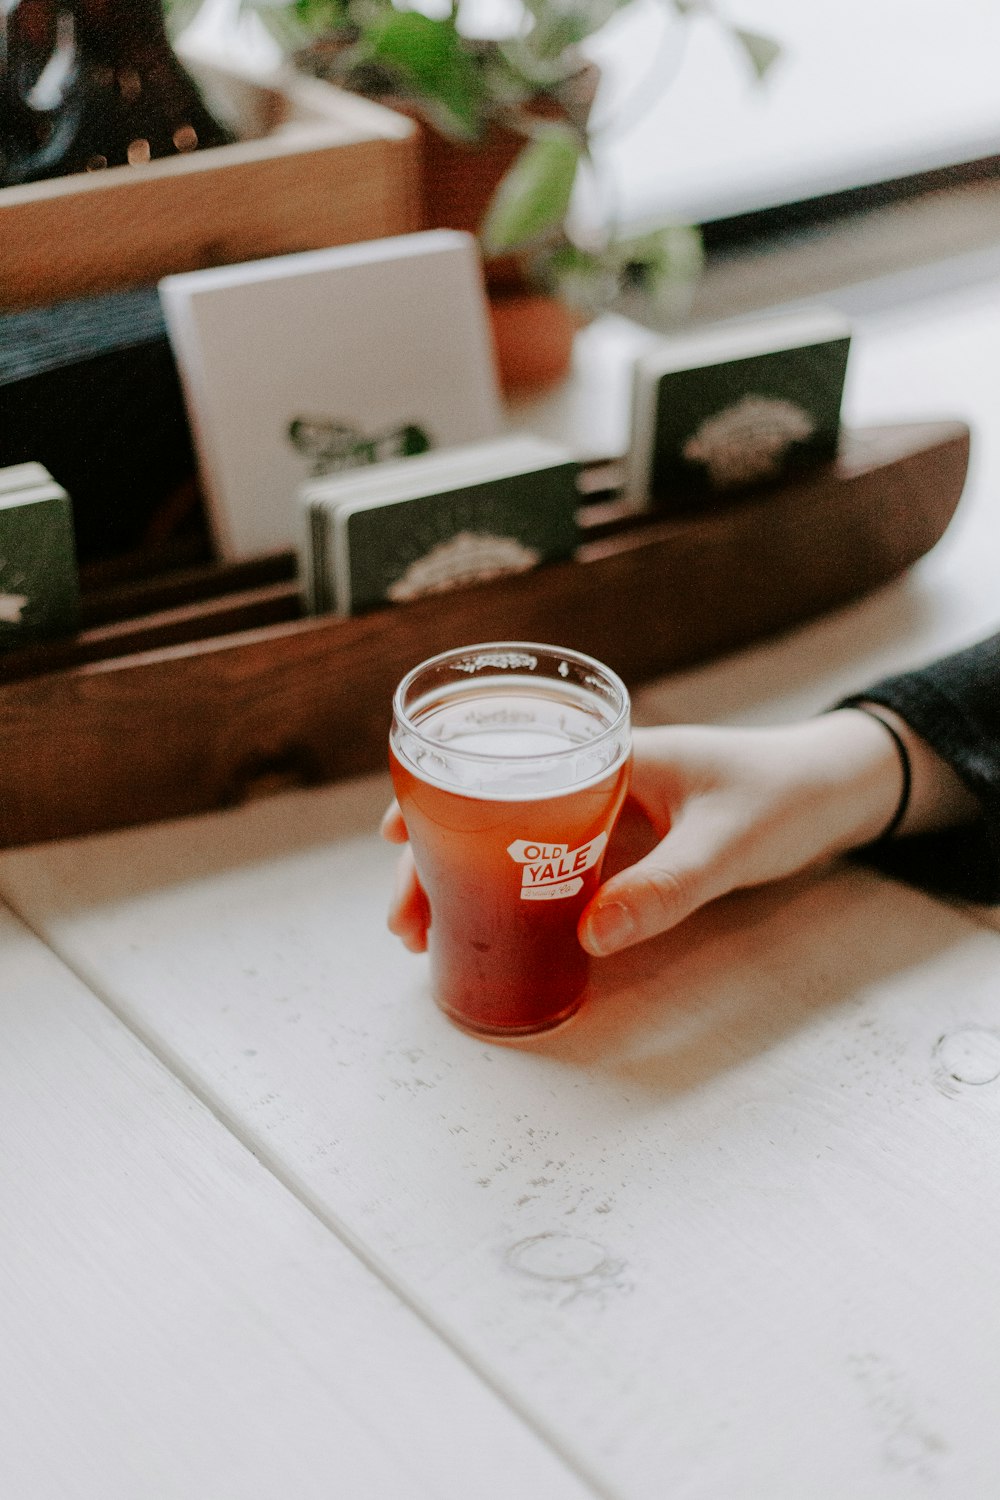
(621,720)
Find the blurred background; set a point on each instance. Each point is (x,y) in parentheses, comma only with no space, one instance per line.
(862,94)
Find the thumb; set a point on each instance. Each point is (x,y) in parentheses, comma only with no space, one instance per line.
(652,895)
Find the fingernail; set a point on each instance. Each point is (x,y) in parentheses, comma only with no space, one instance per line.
(609,928)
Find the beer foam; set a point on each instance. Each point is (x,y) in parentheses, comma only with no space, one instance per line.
(512,739)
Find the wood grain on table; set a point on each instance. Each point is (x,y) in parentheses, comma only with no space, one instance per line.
(724,1234)
(174,1323)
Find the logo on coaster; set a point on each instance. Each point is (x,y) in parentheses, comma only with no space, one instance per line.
(551,872)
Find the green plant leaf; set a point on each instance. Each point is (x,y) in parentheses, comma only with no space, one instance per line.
(588,280)
(534,196)
(433,64)
(663,267)
(295,23)
(177,14)
(659,269)
(674,249)
(320,17)
(505,82)
(537,73)
(548,48)
(588,15)
(761,50)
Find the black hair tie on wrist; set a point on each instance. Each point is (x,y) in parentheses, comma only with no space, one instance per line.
(905,767)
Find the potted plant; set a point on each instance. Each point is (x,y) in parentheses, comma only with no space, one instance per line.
(508,132)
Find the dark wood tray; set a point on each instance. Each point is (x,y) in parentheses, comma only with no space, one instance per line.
(199,687)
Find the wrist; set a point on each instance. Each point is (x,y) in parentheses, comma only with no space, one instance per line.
(863,777)
(900,744)
(938,798)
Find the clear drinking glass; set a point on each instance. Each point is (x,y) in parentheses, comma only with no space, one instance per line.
(510,762)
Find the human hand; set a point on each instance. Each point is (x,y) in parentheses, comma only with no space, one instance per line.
(741,807)
(729,808)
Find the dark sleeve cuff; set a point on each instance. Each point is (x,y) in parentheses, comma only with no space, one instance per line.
(953,705)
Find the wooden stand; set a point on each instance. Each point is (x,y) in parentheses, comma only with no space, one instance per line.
(207,689)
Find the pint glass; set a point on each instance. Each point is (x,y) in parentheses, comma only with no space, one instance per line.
(510,763)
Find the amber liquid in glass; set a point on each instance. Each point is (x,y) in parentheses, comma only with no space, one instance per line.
(506,875)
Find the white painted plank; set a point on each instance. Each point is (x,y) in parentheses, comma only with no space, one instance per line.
(174,1324)
(727,1234)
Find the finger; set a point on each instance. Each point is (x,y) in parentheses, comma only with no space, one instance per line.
(655,893)
(633,836)
(409,912)
(661,769)
(392,828)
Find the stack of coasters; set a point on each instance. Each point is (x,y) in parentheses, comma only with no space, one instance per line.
(299,366)
(417,526)
(729,408)
(39,586)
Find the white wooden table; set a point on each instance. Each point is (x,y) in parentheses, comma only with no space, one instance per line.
(272,1228)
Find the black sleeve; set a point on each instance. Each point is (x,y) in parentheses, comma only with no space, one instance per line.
(954,705)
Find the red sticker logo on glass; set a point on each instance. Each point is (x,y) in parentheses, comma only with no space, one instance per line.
(551,872)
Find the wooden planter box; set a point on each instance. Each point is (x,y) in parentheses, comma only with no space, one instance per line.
(200,688)
(318,167)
